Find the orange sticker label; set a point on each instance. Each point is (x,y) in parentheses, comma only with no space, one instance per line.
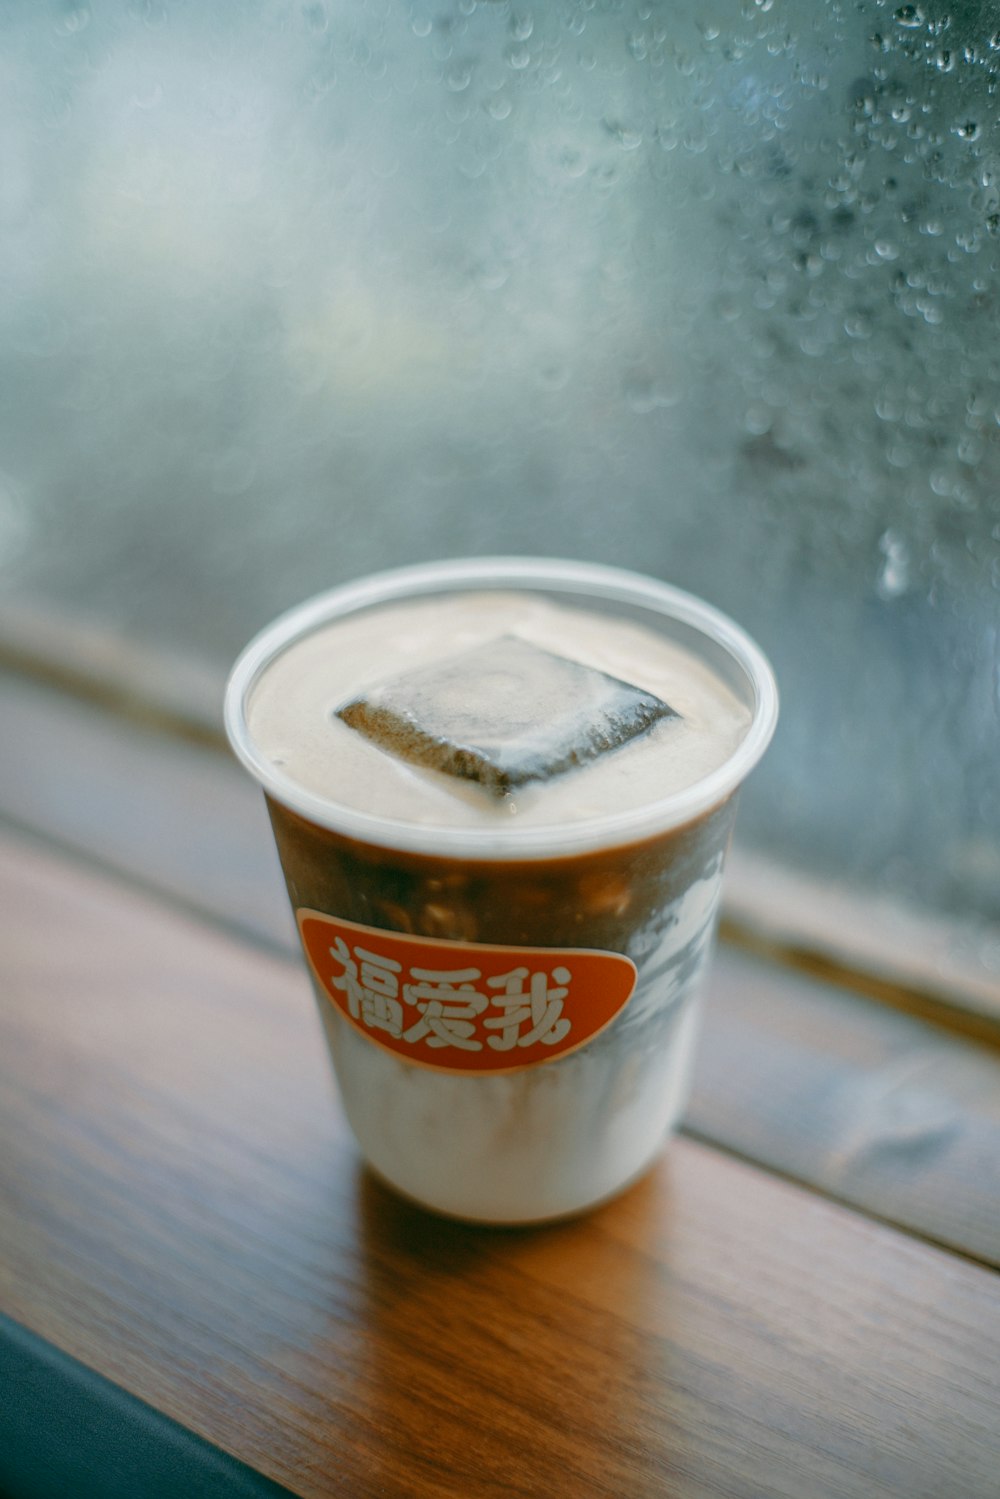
(465,1006)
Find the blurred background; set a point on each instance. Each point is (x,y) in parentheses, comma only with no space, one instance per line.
(708,288)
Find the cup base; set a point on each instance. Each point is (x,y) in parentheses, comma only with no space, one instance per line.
(567,1215)
(545,1144)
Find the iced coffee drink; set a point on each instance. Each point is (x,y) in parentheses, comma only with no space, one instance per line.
(502,793)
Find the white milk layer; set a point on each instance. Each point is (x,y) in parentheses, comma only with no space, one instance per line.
(292,711)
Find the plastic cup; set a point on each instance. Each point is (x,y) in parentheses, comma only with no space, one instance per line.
(511,1010)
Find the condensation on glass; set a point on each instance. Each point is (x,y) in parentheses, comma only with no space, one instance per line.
(293,291)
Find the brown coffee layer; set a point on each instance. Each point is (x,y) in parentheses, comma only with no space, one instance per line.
(609,899)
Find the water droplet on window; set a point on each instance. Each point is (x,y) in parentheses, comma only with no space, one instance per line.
(863,97)
(491,277)
(970,448)
(758,419)
(74,19)
(573,162)
(628,139)
(909,17)
(645,394)
(894,572)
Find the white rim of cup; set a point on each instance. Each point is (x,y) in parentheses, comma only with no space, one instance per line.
(549,576)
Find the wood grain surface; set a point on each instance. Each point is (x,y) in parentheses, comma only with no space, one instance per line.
(181,1207)
(885,1111)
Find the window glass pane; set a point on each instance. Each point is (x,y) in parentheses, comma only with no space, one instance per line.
(293,291)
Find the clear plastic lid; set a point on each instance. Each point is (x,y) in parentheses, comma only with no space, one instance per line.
(716,639)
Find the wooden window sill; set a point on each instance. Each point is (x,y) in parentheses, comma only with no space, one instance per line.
(799,1299)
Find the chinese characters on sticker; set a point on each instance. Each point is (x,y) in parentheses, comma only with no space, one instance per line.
(454,1006)
(464,1006)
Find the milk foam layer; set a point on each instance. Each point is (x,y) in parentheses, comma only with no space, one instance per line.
(291,712)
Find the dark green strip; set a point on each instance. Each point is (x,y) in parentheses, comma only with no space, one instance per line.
(68,1433)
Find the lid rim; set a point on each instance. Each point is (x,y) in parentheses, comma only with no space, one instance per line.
(537,841)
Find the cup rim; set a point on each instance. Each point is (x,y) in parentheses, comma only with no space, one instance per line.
(506,841)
